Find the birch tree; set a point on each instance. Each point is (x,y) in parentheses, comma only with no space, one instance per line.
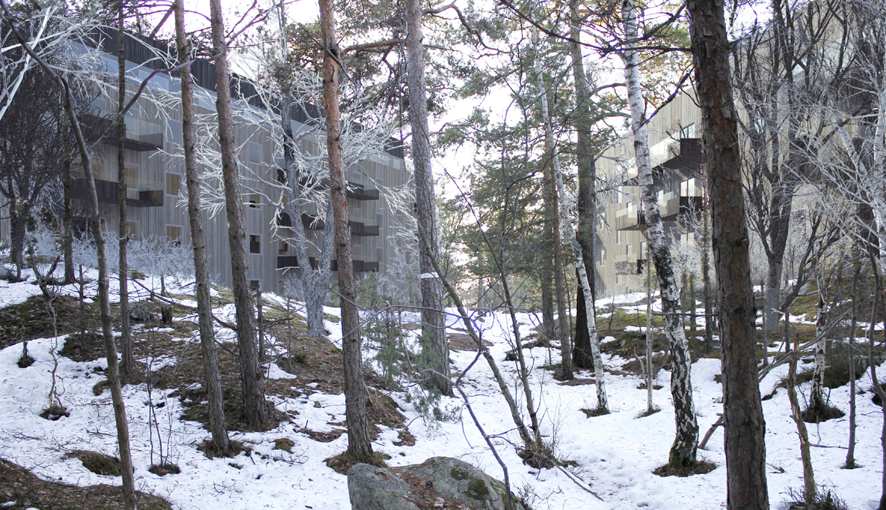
(567,231)
(683,450)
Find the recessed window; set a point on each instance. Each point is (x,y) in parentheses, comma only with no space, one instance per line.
(284,248)
(254,244)
(173,184)
(174,234)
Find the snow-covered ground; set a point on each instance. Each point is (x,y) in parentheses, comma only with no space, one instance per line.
(615,454)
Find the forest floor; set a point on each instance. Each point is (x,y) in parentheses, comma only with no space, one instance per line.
(613,456)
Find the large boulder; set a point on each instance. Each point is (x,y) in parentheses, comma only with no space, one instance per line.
(438,483)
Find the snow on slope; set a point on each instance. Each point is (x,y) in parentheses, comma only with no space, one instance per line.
(615,454)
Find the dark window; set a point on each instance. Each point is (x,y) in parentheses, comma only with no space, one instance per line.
(254,244)
(281,176)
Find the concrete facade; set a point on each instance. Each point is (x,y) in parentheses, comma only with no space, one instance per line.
(675,149)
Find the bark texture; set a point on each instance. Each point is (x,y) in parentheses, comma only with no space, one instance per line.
(255,408)
(743,413)
(127,367)
(359,446)
(435,349)
(685,446)
(587,196)
(211,376)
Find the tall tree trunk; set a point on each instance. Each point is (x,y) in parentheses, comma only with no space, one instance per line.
(359,446)
(565,228)
(211,375)
(67,224)
(435,350)
(103,298)
(256,412)
(853,323)
(127,367)
(587,195)
(17,230)
(552,217)
(743,412)
(683,451)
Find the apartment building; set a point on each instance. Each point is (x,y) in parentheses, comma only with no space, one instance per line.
(156,180)
(675,150)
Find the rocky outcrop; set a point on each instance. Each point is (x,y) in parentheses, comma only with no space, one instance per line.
(438,483)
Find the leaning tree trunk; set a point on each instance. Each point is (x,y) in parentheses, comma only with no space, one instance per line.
(103,298)
(435,350)
(359,445)
(211,375)
(743,412)
(127,367)
(256,412)
(587,196)
(683,451)
(808,474)
(566,228)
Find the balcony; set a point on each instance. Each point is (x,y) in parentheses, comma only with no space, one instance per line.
(630,265)
(354,190)
(358,192)
(141,135)
(360,266)
(358,229)
(683,157)
(630,218)
(107,194)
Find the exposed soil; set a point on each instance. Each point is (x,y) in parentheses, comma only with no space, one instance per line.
(699,468)
(25,490)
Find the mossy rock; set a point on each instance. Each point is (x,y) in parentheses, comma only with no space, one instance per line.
(455,483)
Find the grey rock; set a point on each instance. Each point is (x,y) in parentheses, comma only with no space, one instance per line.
(143,311)
(439,482)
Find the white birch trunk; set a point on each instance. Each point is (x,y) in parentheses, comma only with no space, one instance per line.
(568,232)
(683,451)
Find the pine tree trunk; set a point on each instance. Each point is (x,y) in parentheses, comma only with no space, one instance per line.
(587,176)
(211,375)
(67,224)
(255,409)
(743,414)
(683,451)
(127,367)
(435,349)
(359,445)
